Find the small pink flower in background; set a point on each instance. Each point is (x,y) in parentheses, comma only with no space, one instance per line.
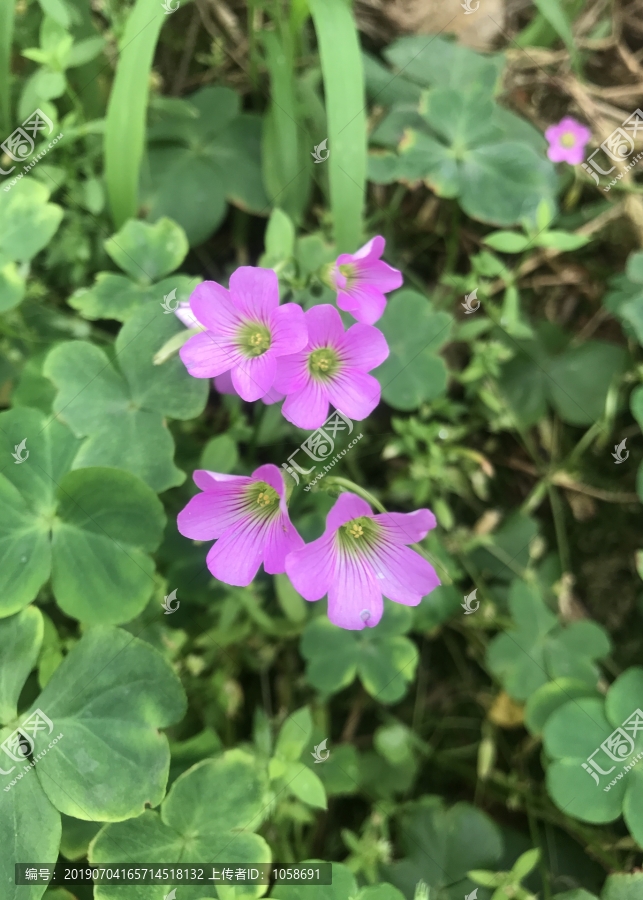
(248,518)
(361,556)
(222,383)
(361,279)
(332,368)
(567,141)
(246,331)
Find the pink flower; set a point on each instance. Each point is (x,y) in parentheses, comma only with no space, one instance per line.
(361,556)
(222,383)
(361,279)
(332,368)
(567,141)
(246,331)
(247,516)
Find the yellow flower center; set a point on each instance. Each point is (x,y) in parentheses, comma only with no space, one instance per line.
(264,499)
(568,139)
(356,530)
(254,339)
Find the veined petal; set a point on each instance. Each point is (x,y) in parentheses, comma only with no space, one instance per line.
(210,514)
(252,378)
(378,274)
(311,568)
(282,538)
(354,597)
(364,347)
(308,408)
(365,303)
(255,292)
(407,528)
(292,373)
(207,481)
(235,558)
(272,475)
(206,355)
(354,393)
(325,327)
(288,329)
(372,249)
(348,506)
(214,307)
(402,574)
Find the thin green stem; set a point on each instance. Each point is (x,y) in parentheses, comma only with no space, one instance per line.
(355,489)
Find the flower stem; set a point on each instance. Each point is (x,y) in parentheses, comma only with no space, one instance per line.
(338,481)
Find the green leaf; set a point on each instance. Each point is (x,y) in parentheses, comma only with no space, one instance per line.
(561,240)
(20,639)
(198,163)
(115,296)
(295,734)
(208,816)
(92,529)
(343,886)
(525,863)
(548,698)
(292,603)
(27,221)
(623,886)
(305,785)
(147,252)
(507,242)
(555,14)
(384,660)
(220,454)
(443,63)
(413,372)
(280,239)
(121,413)
(341,63)
(125,120)
(112,761)
(441,845)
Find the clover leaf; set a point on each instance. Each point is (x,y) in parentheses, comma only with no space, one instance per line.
(574,381)
(91,530)
(101,756)
(120,409)
(538,648)
(286,771)
(465,145)
(208,816)
(413,372)
(20,641)
(622,886)
(343,887)
(441,845)
(384,660)
(596,748)
(147,254)
(625,297)
(201,157)
(27,224)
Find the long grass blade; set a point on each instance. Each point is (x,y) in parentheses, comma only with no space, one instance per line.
(125,122)
(341,61)
(7,12)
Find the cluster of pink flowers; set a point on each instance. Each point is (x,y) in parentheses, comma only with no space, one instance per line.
(261,350)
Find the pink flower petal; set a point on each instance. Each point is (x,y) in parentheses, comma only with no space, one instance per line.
(288,329)
(223,383)
(272,475)
(354,393)
(206,355)
(237,555)
(311,569)
(282,538)
(403,575)
(364,347)
(186,317)
(372,249)
(207,481)
(255,292)
(379,275)
(325,326)
(354,596)
(407,528)
(292,373)
(253,378)
(208,515)
(308,408)
(214,307)
(365,303)
(348,506)
(272,396)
